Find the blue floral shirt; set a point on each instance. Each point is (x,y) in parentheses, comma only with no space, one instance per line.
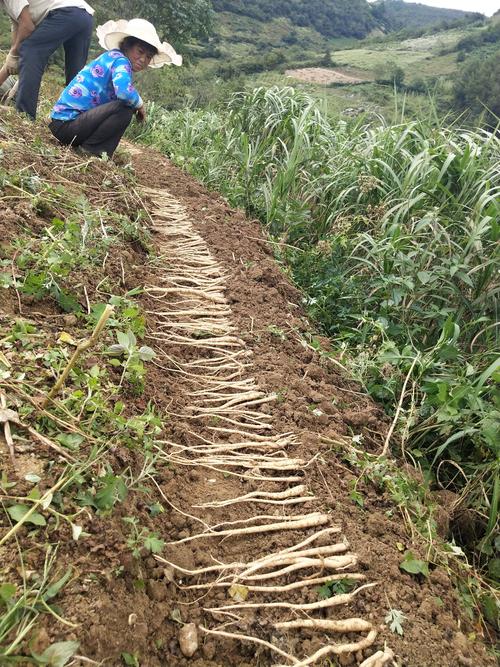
(107,78)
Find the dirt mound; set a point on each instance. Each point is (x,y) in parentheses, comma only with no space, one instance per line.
(322,75)
(125,606)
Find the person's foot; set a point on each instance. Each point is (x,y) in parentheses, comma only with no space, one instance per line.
(121,157)
(83,152)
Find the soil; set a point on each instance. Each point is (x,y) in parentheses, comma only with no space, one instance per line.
(322,75)
(120,604)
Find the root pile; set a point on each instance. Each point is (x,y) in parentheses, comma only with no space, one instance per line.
(232,434)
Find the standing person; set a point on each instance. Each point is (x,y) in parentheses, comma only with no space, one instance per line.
(95,109)
(39,28)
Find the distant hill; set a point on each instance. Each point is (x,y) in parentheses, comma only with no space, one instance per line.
(341,18)
(331,18)
(395,15)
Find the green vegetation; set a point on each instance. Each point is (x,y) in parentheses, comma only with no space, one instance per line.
(332,18)
(179,20)
(396,15)
(60,257)
(476,91)
(392,232)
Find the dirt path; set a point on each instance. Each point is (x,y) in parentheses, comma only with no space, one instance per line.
(258,513)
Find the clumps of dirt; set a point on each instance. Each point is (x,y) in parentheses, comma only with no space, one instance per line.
(322,75)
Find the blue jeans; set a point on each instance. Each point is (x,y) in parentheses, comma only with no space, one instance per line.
(68,26)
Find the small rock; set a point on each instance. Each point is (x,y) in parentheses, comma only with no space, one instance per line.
(41,641)
(188,639)
(156,590)
(461,642)
(346,659)
(209,650)
(70,320)
(169,574)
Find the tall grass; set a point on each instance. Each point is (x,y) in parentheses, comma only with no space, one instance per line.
(398,229)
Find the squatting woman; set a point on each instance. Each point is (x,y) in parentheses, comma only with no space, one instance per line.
(95,109)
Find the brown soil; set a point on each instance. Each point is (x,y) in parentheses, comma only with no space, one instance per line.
(322,75)
(121,604)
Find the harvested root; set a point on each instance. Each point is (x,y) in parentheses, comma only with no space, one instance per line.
(334,601)
(337,649)
(290,496)
(270,561)
(253,640)
(306,521)
(343,627)
(314,581)
(379,659)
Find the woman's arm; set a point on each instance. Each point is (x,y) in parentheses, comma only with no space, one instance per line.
(23,27)
(121,73)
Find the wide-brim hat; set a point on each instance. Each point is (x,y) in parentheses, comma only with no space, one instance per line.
(111,33)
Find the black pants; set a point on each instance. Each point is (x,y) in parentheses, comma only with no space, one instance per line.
(98,130)
(67,26)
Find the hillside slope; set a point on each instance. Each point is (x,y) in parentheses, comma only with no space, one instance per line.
(226,421)
(398,15)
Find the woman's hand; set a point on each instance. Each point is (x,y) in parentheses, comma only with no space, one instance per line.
(141,114)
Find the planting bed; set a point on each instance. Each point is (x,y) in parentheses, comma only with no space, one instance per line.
(119,602)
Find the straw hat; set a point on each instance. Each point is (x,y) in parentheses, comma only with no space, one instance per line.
(111,33)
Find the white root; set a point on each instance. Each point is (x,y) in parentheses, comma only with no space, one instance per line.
(292,495)
(303,583)
(343,627)
(334,601)
(335,563)
(194,314)
(379,659)
(248,638)
(300,524)
(337,649)
(270,561)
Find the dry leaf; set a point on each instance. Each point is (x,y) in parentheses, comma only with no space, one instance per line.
(65,337)
(238,592)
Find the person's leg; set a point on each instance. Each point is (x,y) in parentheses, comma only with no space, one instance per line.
(107,136)
(98,130)
(56,28)
(76,48)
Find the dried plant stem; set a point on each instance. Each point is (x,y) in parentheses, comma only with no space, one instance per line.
(41,501)
(82,346)
(7,431)
(398,409)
